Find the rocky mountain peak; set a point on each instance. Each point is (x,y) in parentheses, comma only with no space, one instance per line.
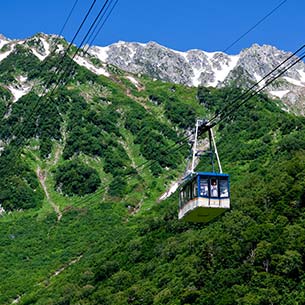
(216,69)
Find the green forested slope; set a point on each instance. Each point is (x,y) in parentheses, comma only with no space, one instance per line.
(86,226)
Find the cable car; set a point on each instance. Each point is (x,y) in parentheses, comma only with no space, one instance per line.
(204,195)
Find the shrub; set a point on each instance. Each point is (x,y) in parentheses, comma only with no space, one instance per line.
(74,178)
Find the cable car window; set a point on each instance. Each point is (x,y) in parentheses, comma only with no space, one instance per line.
(181,202)
(184,195)
(188,187)
(204,188)
(195,189)
(223,188)
(214,188)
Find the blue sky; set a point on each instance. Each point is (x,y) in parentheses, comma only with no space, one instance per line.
(210,25)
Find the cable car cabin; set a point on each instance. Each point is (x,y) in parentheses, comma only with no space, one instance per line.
(204,196)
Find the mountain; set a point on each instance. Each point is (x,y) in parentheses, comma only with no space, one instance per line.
(217,69)
(86,159)
(118,111)
(191,68)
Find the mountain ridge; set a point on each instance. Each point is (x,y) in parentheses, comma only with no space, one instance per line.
(192,68)
(216,69)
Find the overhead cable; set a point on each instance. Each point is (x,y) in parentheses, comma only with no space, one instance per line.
(251,89)
(253,27)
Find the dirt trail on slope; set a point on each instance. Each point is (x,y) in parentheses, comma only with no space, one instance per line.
(57,155)
(60,148)
(42,175)
(72,262)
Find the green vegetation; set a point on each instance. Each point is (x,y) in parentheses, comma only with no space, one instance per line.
(5,95)
(19,188)
(115,243)
(73,178)
(160,136)
(5,98)
(20,61)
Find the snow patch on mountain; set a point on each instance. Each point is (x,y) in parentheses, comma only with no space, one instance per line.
(100,53)
(133,80)
(20,89)
(39,45)
(223,71)
(5,54)
(3,41)
(302,75)
(257,77)
(294,81)
(259,80)
(196,78)
(85,63)
(209,68)
(46,46)
(279,93)
(41,57)
(22,78)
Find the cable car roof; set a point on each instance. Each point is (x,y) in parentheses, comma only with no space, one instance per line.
(192,176)
(211,174)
